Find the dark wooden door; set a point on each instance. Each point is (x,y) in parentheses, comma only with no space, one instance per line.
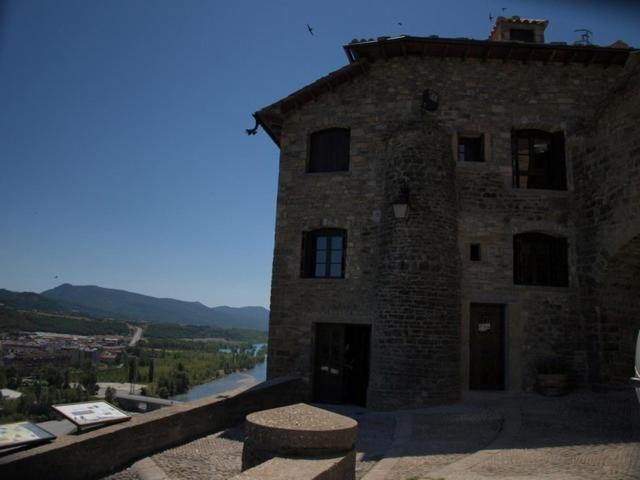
(329,364)
(486,370)
(341,369)
(356,363)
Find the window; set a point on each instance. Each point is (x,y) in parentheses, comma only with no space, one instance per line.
(474,252)
(538,160)
(520,34)
(540,259)
(470,149)
(329,150)
(323,253)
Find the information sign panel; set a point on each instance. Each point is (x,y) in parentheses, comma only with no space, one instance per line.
(22,433)
(86,414)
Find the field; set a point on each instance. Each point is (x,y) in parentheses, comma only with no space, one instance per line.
(15,320)
(12,320)
(175,331)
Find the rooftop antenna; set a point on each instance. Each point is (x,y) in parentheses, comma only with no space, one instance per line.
(585,37)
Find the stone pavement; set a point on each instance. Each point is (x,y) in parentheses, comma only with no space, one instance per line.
(579,436)
(582,436)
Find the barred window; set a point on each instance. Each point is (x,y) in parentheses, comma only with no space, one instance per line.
(540,259)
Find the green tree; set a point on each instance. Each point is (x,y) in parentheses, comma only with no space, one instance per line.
(132,370)
(26,402)
(13,378)
(110,395)
(38,390)
(89,379)
(166,387)
(180,381)
(52,376)
(151,370)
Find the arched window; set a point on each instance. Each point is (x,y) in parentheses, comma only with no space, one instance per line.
(538,160)
(540,259)
(329,150)
(323,253)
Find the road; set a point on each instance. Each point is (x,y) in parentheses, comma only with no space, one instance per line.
(136,337)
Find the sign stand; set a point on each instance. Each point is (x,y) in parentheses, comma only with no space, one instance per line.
(22,434)
(87,415)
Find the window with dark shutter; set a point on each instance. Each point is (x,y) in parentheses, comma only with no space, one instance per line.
(538,160)
(323,253)
(329,150)
(540,259)
(521,35)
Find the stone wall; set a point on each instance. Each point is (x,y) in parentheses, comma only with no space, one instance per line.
(416,357)
(416,335)
(607,206)
(619,316)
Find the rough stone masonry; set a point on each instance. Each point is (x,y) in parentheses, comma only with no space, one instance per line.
(412,279)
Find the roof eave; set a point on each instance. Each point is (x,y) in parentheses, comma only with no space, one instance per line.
(385,47)
(271,117)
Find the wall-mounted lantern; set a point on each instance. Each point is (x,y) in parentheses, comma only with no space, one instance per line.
(401,203)
(430,100)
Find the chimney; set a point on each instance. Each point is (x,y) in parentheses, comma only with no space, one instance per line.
(516,29)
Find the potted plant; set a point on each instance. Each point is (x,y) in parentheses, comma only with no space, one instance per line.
(552,378)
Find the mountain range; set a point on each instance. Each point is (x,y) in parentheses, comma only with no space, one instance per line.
(123,305)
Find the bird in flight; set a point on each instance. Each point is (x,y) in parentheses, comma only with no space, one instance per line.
(400,23)
(310,29)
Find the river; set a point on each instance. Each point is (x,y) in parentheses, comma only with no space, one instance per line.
(229,382)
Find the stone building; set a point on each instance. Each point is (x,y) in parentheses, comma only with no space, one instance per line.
(457,214)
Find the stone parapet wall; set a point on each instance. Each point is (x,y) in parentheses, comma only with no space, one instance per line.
(107,450)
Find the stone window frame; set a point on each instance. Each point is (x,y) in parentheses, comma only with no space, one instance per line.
(559,252)
(472,133)
(308,162)
(309,253)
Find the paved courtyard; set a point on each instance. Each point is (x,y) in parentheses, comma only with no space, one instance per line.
(582,436)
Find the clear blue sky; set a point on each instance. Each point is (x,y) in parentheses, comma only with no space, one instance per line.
(123,157)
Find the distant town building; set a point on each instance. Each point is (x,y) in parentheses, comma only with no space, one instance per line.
(7,393)
(36,349)
(453,214)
